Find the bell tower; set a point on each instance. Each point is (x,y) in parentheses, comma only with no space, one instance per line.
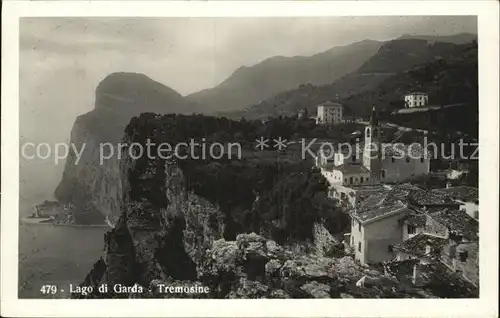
(372,150)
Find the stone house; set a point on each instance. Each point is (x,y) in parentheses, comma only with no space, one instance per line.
(449,237)
(329,113)
(375,230)
(466,197)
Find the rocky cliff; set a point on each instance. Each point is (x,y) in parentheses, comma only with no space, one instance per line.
(166,235)
(95,188)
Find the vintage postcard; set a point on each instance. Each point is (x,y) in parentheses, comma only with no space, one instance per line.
(249,159)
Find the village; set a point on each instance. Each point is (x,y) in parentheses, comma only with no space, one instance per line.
(413,232)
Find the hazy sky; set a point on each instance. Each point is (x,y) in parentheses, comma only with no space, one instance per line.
(63,59)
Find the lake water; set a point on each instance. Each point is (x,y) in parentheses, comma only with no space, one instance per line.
(58,255)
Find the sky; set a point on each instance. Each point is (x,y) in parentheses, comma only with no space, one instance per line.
(63,59)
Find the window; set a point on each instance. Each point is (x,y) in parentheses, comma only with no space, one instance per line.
(393,160)
(421,159)
(345,180)
(350,180)
(383,174)
(359,246)
(368,133)
(463,256)
(451,251)
(361,179)
(411,229)
(407,159)
(390,248)
(352,240)
(359,226)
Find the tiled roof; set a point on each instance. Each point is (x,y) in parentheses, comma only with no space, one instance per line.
(416,93)
(416,219)
(407,192)
(370,214)
(416,245)
(428,198)
(403,191)
(400,150)
(464,193)
(373,200)
(458,221)
(346,168)
(370,195)
(350,168)
(330,104)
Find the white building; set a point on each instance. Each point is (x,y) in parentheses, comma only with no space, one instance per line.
(373,162)
(329,113)
(416,99)
(466,196)
(376,229)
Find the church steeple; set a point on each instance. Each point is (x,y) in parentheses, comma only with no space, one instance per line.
(372,149)
(374,117)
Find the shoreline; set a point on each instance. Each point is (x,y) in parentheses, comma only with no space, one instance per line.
(47,221)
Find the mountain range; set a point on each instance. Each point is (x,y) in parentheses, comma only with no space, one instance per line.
(253,85)
(391,59)
(249,85)
(447,71)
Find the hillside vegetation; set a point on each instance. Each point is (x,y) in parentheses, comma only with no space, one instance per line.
(446,71)
(250,85)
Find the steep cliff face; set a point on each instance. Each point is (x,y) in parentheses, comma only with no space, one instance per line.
(167,236)
(94,185)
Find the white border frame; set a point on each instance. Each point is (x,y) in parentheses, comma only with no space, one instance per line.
(485,306)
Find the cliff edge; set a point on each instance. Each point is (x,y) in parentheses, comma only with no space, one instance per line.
(168,236)
(93,189)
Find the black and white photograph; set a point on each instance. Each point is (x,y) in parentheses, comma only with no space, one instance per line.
(327,157)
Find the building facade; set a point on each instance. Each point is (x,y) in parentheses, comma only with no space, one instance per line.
(449,237)
(373,162)
(375,230)
(329,113)
(416,99)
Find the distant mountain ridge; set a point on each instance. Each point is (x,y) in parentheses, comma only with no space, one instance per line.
(249,85)
(460,38)
(393,58)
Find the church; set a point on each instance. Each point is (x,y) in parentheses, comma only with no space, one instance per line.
(372,162)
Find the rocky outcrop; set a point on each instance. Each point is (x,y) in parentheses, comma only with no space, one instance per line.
(92,185)
(168,236)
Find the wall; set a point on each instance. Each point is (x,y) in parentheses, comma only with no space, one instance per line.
(344,194)
(435,228)
(400,169)
(406,236)
(340,158)
(450,256)
(376,237)
(469,268)
(380,234)
(356,178)
(332,176)
(418,100)
(470,208)
(356,237)
(329,115)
